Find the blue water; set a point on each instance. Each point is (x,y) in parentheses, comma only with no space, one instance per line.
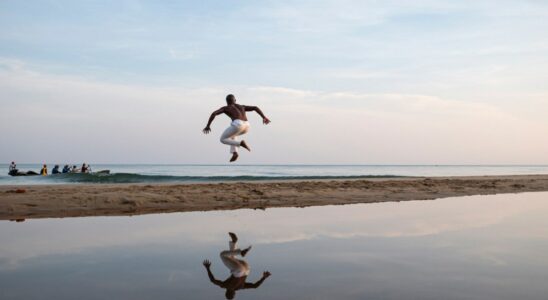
(209,173)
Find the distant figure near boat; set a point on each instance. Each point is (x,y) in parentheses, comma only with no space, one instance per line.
(239,125)
(55,170)
(13,168)
(44,171)
(239,270)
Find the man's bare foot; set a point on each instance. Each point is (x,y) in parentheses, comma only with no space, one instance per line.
(234,157)
(233,237)
(244,144)
(244,252)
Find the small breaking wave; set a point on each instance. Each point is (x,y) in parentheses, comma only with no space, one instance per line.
(140,178)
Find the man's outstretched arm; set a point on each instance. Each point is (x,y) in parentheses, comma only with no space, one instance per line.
(207,129)
(259,111)
(207,265)
(257,284)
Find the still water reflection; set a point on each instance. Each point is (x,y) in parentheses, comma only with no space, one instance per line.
(239,270)
(481,247)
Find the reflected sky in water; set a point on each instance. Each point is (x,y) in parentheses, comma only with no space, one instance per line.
(479,247)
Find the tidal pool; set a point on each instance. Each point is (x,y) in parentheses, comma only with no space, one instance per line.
(479,247)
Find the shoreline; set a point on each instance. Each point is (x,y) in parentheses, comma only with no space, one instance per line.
(78,200)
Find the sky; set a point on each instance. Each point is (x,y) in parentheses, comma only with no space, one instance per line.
(344,82)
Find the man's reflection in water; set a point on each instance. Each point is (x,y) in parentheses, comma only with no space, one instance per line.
(239,270)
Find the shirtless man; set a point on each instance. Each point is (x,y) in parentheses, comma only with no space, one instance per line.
(239,270)
(239,124)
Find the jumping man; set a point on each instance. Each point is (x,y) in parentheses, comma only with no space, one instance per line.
(239,124)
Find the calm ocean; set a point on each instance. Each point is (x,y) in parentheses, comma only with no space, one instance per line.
(209,173)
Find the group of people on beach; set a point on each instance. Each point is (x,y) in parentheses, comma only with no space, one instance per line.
(44,171)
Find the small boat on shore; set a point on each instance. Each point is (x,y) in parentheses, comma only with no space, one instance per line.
(20,173)
(101,172)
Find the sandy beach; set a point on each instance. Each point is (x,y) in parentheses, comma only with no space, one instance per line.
(57,201)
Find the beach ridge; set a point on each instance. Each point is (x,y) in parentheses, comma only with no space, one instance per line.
(77,200)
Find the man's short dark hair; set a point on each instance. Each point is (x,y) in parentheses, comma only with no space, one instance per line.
(230,99)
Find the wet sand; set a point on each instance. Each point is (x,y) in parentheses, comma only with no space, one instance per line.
(58,201)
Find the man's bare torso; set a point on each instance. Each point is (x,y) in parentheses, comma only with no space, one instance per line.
(235,112)
(234,283)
